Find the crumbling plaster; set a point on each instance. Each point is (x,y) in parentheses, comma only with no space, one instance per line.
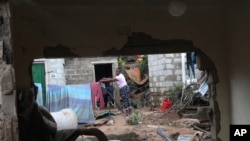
(89,31)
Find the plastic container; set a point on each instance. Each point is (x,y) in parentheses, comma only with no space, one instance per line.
(65,119)
(165,105)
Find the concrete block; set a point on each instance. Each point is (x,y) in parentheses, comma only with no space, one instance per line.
(169,66)
(169,55)
(162,78)
(178,72)
(177,60)
(168,61)
(167,72)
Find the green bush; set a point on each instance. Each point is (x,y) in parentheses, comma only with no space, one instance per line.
(176,88)
(135,118)
(144,66)
(172,91)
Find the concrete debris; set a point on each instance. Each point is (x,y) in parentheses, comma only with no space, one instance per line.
(186,122)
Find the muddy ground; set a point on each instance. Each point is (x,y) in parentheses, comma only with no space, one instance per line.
(150,119)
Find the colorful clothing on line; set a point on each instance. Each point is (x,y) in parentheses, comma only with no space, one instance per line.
(97,95)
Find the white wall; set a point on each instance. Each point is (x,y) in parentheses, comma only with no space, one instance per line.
(165,71)
(55,71)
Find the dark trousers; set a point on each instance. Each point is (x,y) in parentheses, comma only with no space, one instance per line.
(124,93)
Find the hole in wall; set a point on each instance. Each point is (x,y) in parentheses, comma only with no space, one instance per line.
(145,44)
(172,63)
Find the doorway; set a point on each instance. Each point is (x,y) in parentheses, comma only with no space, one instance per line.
(103,70)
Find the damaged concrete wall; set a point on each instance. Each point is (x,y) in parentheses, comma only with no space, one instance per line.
(62,31)
(8,116)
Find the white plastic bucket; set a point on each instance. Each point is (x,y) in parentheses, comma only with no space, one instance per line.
(65,119)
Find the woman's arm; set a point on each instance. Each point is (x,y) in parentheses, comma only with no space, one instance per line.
(107,80)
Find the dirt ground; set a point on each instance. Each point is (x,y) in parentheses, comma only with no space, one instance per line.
(119,130)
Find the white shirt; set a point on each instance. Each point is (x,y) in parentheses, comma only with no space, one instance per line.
(121,81)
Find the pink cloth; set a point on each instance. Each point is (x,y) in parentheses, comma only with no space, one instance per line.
(97,95)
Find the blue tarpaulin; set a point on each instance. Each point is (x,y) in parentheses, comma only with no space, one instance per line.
(39,98)
(76,97)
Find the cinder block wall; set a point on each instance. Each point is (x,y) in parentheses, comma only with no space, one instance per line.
(81,70)
(165,70)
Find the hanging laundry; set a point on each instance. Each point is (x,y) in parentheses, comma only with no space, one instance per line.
(191,60)
(39,98)
(97,95)
(76,97)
